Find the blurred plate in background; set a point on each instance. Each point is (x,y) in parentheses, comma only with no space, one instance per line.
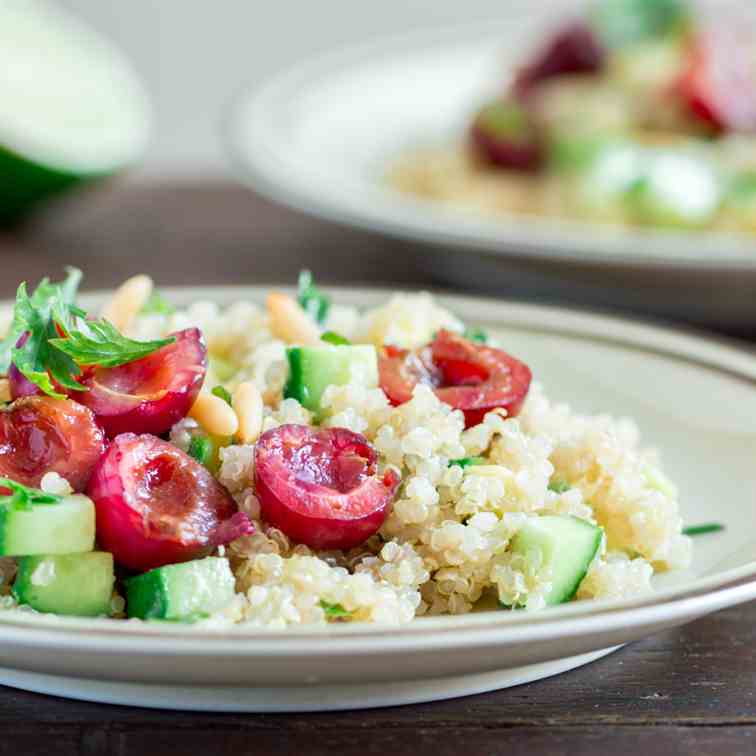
(320,137)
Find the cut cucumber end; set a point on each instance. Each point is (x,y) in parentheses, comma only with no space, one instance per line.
(71,107)
(78,585)
(563,545)
(313,369)
(181,592)
(64,528)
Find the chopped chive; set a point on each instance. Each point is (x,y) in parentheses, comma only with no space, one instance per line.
(222,393)
(467,462)
(334,611)
(201,448)
(559,486)
(703,529)
(331,337)
(313,301)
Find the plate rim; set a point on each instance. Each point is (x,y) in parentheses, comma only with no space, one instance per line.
(722,589)
(262,170)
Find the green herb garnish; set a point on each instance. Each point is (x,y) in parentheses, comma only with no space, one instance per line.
(222,393)
(331,337)
(476,334)
(157,304)
(334,611)
(22,498)
(559,486)
(41,297)
(201,448)
(624,22)
(467,462)
(313,301)
(59,340)
(703,529)
(98,342)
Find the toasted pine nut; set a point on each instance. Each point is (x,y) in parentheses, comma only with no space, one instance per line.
(127,301)
(214,415)
(5,394)
(248,404)
(289,322)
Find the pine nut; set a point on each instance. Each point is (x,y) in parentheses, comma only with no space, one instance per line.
(5,394)
(214,415)
(129,298)
(289,322)
(248,404)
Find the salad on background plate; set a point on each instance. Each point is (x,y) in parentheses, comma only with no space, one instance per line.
(305,463)
(639,113)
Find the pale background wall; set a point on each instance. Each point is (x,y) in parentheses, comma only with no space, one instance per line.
(195,54)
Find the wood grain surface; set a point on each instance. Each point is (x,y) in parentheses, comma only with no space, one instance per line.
(686,691)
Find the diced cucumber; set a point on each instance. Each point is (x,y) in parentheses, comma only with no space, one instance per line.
(66,527)
(740,202)
(627,22)
(80,585)
(71,107)
(679,190)
(600,189)
(181,592)
(313,369)
(564,546)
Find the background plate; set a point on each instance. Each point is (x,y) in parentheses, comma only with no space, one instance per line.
(319,136)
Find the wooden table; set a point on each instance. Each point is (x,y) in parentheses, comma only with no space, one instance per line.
(686,691)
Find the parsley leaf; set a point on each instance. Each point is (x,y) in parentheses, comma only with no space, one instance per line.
(157,304)
(331,337)
(222,393)
(45,291)
(334,611)
(98,342)
(22,498)
(313,301)
(36,356)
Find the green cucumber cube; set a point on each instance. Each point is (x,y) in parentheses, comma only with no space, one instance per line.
(67,527)
(181,592)
(79,585)
(313,369)
(563,545)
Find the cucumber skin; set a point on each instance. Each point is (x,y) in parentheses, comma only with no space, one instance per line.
(146,596)
(56,599)
(24,184)
(295,387)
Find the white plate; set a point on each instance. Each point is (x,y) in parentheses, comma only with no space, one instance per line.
(318,137)
(694,399)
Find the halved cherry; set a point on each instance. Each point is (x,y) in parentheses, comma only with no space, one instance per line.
(148,395)
(719,82)
(156,505)
(39,434)
(464,374)
(504,134)
(574,50)
(320,486)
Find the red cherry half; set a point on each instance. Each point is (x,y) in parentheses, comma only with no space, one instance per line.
(156,505)
(320,486)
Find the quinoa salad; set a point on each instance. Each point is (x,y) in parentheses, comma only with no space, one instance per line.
(301,462)
(635,113)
